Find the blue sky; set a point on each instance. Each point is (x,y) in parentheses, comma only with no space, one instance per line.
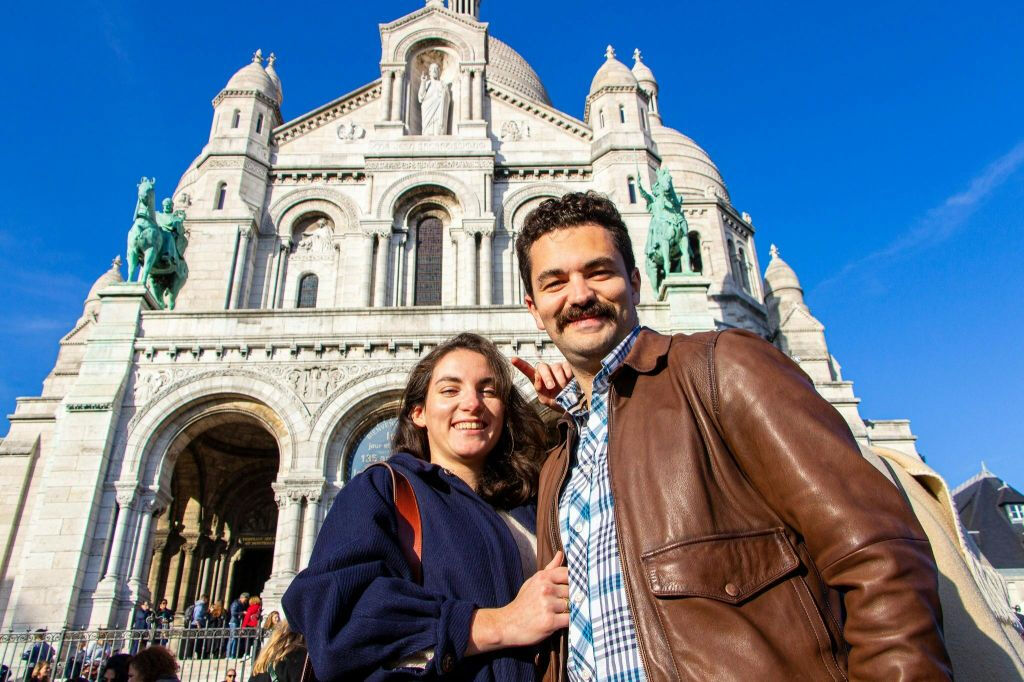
(879,145)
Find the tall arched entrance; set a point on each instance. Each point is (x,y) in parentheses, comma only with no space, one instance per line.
(218,536)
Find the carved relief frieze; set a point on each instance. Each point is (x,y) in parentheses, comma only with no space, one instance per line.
(471,163)
(400,147)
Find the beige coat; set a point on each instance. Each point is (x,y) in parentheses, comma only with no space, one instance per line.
(980,627)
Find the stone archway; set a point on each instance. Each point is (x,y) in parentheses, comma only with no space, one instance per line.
(218,537)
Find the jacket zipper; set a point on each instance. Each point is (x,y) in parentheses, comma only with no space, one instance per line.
(618,541)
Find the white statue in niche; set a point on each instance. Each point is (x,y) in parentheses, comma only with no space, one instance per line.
(318,241)
(434,100)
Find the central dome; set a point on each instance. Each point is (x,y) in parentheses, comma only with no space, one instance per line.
(506,67)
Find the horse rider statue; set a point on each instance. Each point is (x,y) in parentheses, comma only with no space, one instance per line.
(667,249)
(157,241)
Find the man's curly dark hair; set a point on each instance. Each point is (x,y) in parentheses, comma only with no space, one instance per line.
(571,210)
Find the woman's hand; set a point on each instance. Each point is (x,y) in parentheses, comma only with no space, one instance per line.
(548,380)
(540,609)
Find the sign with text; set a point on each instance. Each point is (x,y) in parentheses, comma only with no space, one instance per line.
(374,446)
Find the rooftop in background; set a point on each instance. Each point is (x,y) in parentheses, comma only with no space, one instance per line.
(986,505)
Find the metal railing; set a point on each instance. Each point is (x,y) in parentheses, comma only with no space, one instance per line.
(204,654)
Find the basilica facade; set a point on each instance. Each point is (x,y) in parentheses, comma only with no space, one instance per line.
(195,451)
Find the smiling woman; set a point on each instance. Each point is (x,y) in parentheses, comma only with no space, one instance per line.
(469,445)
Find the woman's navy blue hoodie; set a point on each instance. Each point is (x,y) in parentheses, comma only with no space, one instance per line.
(358,607)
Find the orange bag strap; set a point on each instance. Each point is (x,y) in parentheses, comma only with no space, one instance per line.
(410,529)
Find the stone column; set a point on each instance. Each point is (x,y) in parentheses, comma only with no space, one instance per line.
(338,264)
(241,259)
(155,566)
(486,271)
(289,528)
(186,576)
(465,94)
(478,94)
(397,274)
(468,261)
(173,586)
(515,284)
(396,95)
(410,267)
(292,541)
(380,270)
(112,579)
(232,558)
(143,553)
(310,526)
(367,261)
(385,93)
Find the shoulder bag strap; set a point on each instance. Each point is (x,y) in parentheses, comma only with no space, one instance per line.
(410,529)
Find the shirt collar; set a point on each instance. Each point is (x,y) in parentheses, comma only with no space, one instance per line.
(571,397)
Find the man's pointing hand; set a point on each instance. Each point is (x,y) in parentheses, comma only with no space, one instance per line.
(548,380)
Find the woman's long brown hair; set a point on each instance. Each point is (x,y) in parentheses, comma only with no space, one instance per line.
(511,470)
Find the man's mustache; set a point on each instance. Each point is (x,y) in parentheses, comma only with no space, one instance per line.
(574,313)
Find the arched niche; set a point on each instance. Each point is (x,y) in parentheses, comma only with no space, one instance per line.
(313,252)
(426,267)
(429,52)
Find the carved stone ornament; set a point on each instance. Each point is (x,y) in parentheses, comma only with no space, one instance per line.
(125,497)
(313,384)
(315,245)
(349,131)
(514,131)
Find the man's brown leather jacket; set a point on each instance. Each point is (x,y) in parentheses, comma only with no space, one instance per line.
(756,543)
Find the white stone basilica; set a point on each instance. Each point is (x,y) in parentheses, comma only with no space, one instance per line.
(195,451)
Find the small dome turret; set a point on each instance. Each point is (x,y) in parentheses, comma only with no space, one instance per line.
(612,73)
(643,73)
(272,73)
(252,76)
(781,281)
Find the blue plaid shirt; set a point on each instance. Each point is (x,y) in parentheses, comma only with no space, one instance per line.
(602,636)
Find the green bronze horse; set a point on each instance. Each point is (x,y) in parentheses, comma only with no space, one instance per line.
(157,241)
(667,249)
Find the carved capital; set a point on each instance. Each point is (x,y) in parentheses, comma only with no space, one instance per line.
(126,494)
(378,228)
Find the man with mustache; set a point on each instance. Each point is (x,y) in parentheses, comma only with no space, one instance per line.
(717,518)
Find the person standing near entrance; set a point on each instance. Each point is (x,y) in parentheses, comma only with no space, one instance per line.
(717,518)
(236,612)
(164,619)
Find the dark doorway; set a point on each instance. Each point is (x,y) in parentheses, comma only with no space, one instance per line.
(252,570)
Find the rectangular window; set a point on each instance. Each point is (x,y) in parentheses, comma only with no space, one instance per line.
(1015,512)
(631,186)
(259,124)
